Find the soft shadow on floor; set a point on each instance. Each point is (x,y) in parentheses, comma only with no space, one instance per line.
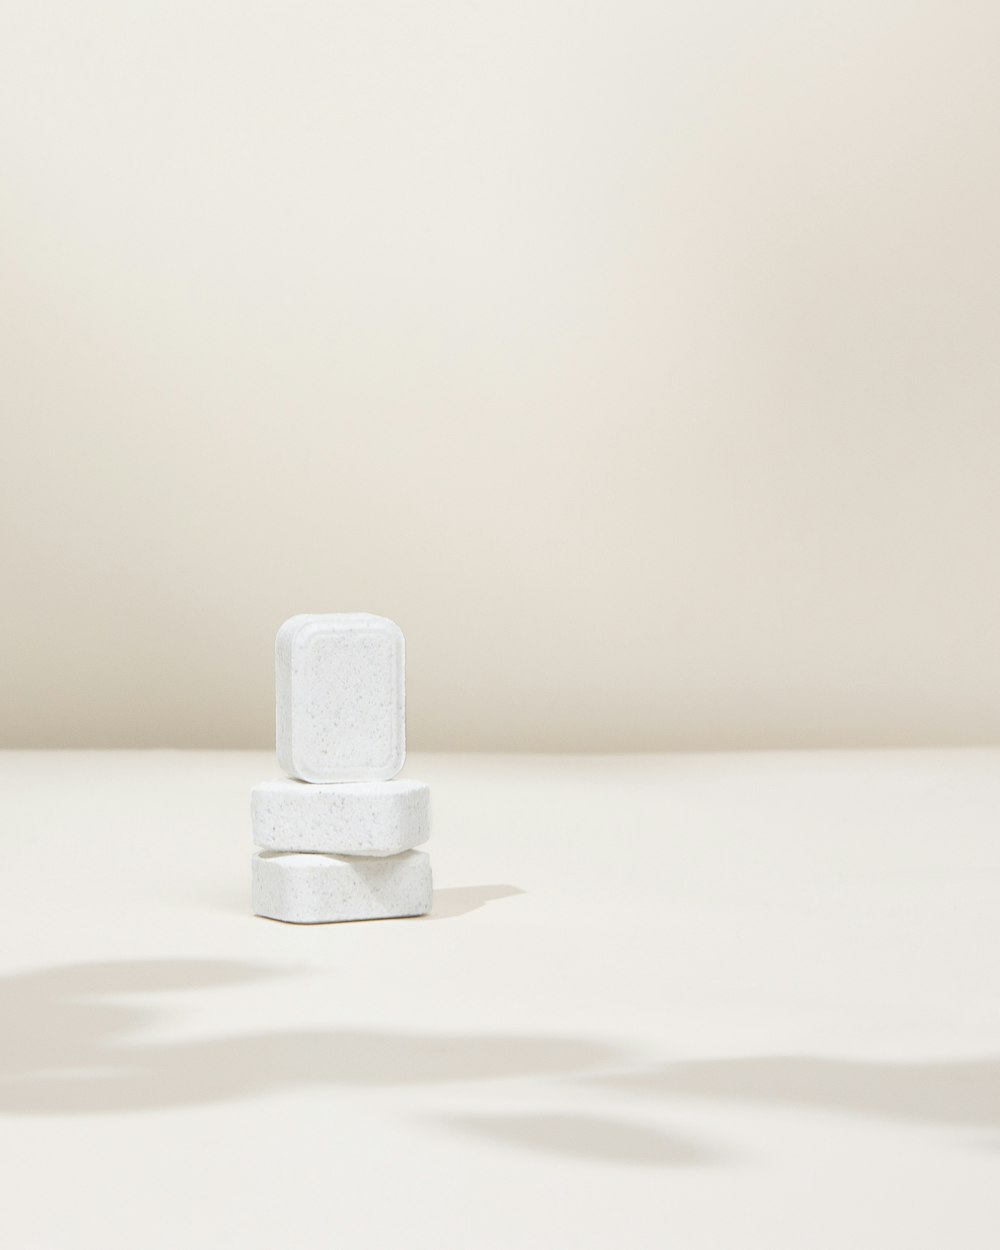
(960,1093)
(598,1138)
(65,1047)
(460,900)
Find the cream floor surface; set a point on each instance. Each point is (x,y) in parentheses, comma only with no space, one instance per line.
(663,1001)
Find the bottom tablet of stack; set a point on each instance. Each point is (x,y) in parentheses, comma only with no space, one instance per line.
(340,850)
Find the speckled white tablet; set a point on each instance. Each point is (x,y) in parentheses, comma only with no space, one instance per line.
(343,818)
(319,889)
(340,701)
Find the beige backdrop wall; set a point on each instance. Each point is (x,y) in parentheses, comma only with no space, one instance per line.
(641,360)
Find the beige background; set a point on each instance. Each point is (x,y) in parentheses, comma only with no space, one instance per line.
(641,360)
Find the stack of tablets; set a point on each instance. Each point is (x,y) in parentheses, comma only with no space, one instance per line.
(337,834)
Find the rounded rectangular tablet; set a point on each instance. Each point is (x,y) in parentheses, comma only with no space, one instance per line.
(340,697)
(305,888)
(342,818)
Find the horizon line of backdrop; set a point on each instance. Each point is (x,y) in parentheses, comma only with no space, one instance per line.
(639,359)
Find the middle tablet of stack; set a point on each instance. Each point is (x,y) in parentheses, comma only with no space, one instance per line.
(337,835)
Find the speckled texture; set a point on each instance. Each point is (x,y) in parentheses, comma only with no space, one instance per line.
(320,889)
(340,697)
(345,818)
